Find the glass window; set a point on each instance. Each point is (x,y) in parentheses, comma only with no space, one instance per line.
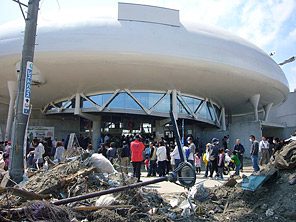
(164,105)
(181,107)
(68,105)
(117,102)
(86,104)
(129,103)
(189,101)
(143,98)
(211,110)
(124,101)
(192,102)
(218,111)
(105,98)
(204,112)
(98,99)
(154,98)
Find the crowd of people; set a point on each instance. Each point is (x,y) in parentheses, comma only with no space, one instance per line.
(159,156)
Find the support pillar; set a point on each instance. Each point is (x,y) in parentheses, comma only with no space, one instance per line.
(223,122)
(254,100)
(77,104)
(96,134)
(267,108)
(174,104)
(12,88)
(159,129)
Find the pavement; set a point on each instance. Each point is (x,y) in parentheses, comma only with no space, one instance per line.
(168,187)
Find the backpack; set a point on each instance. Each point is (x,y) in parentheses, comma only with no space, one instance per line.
(187,153)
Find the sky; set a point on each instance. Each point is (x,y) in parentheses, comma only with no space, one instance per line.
(269,24)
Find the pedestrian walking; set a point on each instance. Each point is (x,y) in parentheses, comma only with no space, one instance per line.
(214,151)
(264,150)
(254,152)
(206,159)
(137,149)
(221,163)
(153,159)
(197,163)
(161,158)
(125,156)
(240,151)
(235,158)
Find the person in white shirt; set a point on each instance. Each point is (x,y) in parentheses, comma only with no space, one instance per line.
(264,150)
(175,154)
(192,148)
(38,152)
(59,153)
(161,158)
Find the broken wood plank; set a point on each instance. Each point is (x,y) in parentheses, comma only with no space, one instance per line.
(102,207)
(83,173)
(28,195)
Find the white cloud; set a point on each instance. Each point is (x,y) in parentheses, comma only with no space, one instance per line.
(261,21)
(291,37)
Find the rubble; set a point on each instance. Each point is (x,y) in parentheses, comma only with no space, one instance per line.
(274,200)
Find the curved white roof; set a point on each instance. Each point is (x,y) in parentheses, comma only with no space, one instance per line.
(104,54)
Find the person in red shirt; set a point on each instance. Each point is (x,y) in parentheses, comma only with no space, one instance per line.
(137,149)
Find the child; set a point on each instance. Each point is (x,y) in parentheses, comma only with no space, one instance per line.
(227,157)
(206,158)
(146,163)
(197,163)
(221,163)
(236,161)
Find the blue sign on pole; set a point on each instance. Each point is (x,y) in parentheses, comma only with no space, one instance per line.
(183,133)
(27,90)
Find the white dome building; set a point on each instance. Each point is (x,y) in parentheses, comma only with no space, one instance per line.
(126,73)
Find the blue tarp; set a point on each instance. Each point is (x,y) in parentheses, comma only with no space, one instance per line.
(254,182)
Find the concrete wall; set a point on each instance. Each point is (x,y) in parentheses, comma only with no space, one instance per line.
(63,124)
(209,133)
(285,113)
(242,131)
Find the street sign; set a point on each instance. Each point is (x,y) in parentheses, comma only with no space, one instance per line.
(27,91)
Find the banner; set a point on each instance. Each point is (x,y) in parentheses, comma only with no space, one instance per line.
(40,132)
(27,90)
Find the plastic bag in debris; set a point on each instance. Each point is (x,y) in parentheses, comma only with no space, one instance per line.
(101,163)
(185,204)
(105,200)
(199,193)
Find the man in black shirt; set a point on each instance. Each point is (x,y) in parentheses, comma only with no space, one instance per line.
(240,151)
(254,152)
(125,156)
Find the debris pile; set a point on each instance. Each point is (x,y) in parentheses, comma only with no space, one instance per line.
(81,175)
(272,200)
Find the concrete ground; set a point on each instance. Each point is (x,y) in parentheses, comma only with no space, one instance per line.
(168,187)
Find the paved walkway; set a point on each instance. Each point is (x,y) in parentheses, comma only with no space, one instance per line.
(168,187)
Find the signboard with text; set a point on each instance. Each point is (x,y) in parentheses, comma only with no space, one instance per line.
(27,90)
(40,132)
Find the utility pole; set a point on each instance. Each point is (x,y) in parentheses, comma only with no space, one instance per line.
(16,163)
